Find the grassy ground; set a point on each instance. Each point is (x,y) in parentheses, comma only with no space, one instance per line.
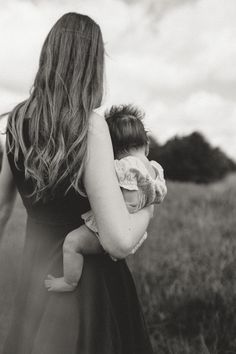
(185,272)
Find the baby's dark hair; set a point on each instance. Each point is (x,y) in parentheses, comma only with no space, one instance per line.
(126,128)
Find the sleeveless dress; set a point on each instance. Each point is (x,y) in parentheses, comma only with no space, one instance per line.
(103,314)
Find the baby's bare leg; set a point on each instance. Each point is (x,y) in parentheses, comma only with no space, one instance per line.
(77,243)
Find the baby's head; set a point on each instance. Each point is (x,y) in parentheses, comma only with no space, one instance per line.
(126,129)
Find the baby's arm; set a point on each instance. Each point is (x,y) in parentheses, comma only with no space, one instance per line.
(131,199)
(161,188)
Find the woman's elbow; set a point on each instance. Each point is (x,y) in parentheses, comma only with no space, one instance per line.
(120,247)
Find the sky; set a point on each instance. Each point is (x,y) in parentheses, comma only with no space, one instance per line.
(174,58)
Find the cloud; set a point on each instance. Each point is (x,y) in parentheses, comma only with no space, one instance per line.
(183,71)
(176,59)
(189,47)
(202,111)
(25,24)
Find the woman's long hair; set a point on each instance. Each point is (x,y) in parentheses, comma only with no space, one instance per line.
(67,87)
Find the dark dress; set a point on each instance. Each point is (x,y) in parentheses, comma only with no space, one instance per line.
(102,316)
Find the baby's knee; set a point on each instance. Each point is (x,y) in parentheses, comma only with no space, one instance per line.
(71,242)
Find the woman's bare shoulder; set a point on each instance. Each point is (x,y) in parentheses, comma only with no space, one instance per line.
(97,123)
(99,135)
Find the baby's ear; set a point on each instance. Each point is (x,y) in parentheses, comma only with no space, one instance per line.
(147,149)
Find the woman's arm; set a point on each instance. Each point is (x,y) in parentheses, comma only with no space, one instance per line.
(7,193)
(119,231)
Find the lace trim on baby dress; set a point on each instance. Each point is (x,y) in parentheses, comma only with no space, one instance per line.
(132,174)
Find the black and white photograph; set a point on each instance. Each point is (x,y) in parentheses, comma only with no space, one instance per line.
(118,177)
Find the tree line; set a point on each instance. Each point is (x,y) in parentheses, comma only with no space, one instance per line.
(191,158)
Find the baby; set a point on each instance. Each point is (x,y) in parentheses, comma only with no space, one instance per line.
(141,181)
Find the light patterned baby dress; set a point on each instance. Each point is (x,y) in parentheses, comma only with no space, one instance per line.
(133,175)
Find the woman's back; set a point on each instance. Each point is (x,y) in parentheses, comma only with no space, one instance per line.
(63,208)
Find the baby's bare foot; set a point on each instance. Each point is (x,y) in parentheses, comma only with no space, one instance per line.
(58,284)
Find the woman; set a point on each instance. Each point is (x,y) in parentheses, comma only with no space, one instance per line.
(56,149)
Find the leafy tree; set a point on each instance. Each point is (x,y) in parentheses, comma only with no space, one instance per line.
(191,158)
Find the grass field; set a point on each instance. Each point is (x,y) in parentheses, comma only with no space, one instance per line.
(185,272)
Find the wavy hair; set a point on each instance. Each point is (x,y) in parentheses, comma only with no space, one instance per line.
(67,87)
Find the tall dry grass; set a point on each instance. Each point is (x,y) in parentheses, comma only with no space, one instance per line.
(185,272)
